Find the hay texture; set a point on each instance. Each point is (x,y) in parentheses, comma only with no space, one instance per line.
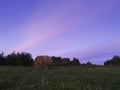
(43,62)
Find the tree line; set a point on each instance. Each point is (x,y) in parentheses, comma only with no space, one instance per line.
(58,61)
(16,59)
(115,61)
(25,59)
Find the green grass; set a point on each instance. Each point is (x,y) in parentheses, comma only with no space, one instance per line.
(60,78)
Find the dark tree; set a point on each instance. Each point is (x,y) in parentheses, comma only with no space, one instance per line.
(2,59)
(89,63)
(57,61)
(19,59)
(75,61)
(115,61)
(11,59)
(26,59)
(66,61)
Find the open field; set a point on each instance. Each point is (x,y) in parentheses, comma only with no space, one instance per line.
(60,78)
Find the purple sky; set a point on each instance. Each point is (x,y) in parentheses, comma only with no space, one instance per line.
(86,29)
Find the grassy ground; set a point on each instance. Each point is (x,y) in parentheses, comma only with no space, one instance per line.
(60,78)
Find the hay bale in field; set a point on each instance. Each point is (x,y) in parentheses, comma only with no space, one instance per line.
(43,62)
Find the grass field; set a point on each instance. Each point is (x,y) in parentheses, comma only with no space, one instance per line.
(60,78)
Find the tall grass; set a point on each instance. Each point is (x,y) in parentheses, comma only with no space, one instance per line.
(60,78)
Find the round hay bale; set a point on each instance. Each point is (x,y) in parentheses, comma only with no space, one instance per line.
(43,62)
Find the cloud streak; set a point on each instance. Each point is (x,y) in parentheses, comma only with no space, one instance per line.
(66,28)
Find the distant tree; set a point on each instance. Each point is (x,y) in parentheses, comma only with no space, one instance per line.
(89,63)
(66,61)
(75,61)
(2,59)
(114,61)
(57,61)
(11,59)
(19,59)
(26,59)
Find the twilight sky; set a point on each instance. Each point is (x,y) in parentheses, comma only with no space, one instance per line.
(86,29)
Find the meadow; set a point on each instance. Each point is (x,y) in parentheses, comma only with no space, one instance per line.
(60,78)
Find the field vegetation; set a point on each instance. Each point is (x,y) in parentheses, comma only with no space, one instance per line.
(60,78)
